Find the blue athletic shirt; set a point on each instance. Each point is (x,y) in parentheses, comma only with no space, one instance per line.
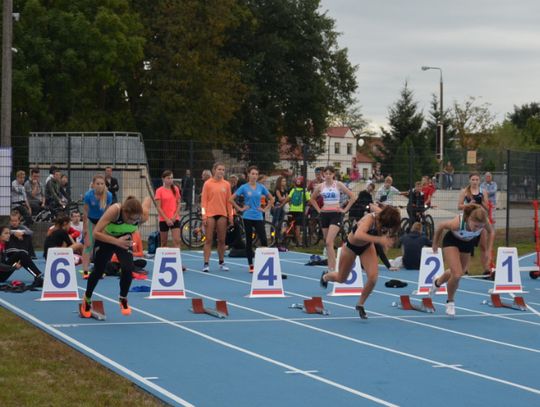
(252,198)
(94,211)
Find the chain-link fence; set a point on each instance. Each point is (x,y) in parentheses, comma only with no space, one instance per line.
(138,163)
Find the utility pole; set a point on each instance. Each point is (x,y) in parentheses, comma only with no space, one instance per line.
(7,40)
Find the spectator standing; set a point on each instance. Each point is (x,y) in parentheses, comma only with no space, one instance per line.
(168,200)
(65,190)
(112,184)
(187,189)
(428,188)
(361,205)
(448,173)
(386,192)
(489,187)
(19,199)
(278,211)
(52,190)
(376,174)
(35,193)
(75,217)
(297,199)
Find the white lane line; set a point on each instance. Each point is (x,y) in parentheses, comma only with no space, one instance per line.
(301,371)
(136,377)
(383,348)
(447,366)
(499,316)
(152,378)
(254,354)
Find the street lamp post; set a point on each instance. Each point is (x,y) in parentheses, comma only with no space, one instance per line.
(440,127)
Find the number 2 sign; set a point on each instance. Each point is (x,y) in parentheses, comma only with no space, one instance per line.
(431,267)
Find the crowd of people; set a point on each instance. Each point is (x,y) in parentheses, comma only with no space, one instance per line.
(105,228)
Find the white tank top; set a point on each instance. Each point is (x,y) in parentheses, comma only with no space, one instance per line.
(330,195)
(462,233)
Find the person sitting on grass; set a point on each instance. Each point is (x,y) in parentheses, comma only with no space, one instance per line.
(9,262)
(62,235)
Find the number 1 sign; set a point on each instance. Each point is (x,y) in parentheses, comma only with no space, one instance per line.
(60,282)
(507,276)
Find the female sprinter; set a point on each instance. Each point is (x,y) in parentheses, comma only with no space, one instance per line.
(113,236)
(252,212)
(216,211)
(473,194)
(458,243)
(168,206)
(378,227)
(331,212)
(96,201)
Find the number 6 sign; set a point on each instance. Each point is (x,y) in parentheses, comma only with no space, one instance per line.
(431,267)
(167,277)
(60,282)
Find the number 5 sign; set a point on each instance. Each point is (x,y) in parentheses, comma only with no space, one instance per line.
(60,282)
(167,277)
(431,267)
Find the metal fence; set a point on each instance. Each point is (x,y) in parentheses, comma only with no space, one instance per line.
(138,164)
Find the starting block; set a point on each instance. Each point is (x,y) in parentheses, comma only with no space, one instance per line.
(97,310)
(406,304)
(221,310)
(312,306)
(497,302)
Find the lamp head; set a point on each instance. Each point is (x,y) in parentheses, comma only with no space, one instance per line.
(425,68)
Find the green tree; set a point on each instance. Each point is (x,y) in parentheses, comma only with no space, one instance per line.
(405,125)
(72,65)
(189,89)
(296,74)
(473,123)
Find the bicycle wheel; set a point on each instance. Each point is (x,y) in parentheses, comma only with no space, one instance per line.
(192,233)
(404,227)
(287,234)
(314,232)
(429,227)
(270,232)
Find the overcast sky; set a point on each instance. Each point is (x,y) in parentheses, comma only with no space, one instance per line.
(486,48)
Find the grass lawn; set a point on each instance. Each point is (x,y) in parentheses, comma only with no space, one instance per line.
(38,370)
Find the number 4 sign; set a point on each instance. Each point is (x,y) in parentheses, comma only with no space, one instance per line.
(60,282)
(267,281)
(167,277)
(431,267)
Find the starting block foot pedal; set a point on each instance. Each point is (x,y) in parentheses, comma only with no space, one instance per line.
(517,304)
(221,310)
(312,306)
(406,304)
(97,311)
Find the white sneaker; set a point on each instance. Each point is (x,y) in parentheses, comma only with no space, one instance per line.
(451,309)
(223,267)
(206,269)
(433,289)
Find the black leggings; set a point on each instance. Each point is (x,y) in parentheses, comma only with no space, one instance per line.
(258,225)
(102,254)
(25,260)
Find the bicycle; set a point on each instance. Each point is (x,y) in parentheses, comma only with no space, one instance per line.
(313,231)
(425,219)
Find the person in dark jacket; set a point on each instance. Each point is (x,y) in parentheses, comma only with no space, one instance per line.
(112,184)
(411,245)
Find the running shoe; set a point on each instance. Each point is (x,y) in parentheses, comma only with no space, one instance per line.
(251,268)
(86,308)
(451,309)
(38,281)
(206,268)
(323,282)
(361,311)
(433,289)
(223,267)
(85,275)
(124,307)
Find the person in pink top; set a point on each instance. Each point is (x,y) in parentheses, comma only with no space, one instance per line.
(216,212)
(168,206)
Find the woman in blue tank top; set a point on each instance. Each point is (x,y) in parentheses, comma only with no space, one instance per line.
(463,234)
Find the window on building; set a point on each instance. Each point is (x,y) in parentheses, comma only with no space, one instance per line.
(349,148)
(336,148)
